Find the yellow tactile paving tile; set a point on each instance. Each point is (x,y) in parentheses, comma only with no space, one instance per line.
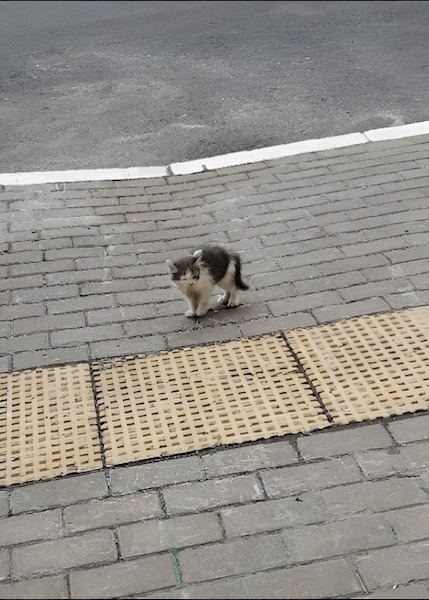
(368,367)
(47,424)
(201,397)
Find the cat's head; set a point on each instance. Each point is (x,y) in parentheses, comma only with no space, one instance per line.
(185,272)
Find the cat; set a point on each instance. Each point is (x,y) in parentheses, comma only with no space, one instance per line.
(196,276)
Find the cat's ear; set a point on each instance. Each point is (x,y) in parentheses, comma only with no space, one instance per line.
(171,266)
(197,257)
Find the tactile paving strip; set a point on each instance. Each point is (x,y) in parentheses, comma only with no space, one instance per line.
(368,367)
(200,397)
(47,424)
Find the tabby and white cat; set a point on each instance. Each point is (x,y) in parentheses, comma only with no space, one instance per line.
(196,276)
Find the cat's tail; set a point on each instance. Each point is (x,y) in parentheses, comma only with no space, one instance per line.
(238,280)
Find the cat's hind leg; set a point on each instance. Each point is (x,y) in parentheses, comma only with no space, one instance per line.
(224,299)
(234,299)
(230,297)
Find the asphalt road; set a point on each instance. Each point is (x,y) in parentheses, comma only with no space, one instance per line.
(120,84)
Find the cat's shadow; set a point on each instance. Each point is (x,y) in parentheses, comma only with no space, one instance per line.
(218,314)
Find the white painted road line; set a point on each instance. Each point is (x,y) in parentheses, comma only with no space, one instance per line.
(218,162)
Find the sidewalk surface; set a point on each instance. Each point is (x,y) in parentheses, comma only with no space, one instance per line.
(342,513)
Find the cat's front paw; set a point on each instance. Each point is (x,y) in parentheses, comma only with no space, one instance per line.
(201,313)
(190,313)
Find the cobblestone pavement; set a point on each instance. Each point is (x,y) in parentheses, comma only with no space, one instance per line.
(342,513)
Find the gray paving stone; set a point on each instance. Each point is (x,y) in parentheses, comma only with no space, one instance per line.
(148,297)
(58,356)
(380,289)
(23,343)
(52,269)
(43,588)
(194,497)
(397,270)
(349,264)
(207,335)
(5,364)
(20,283)
(122,579)
(4,563)
(21,311)
(282,291)
(227,589)
(60,492)
(398,231)
(410,430)
(249,458)
(412,590)
(236,557)
(40,294)
(378,245)
(421,282)
(63,277)
(317,258)
(273,324)
(353,309)
(16,258)
(324,540)
(309,301)
(331,282)
(127,346)
(409,524)
(407,300)
(48,323)
(167,534)
(4,503)
(374,496)
(393,566)
(105,316)
(343,441)
(410,254)
(81,303)
(327,579)
(72,552)
(110,512)
(26,528)
(272,515)
(250,310)
(5,329)
(286,481)
(81,335)
(125,480)
(406,461)
(59,253)
(119,285)
(105,262)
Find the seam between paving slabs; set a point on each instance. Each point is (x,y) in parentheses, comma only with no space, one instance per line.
(98,421)
(308,380)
